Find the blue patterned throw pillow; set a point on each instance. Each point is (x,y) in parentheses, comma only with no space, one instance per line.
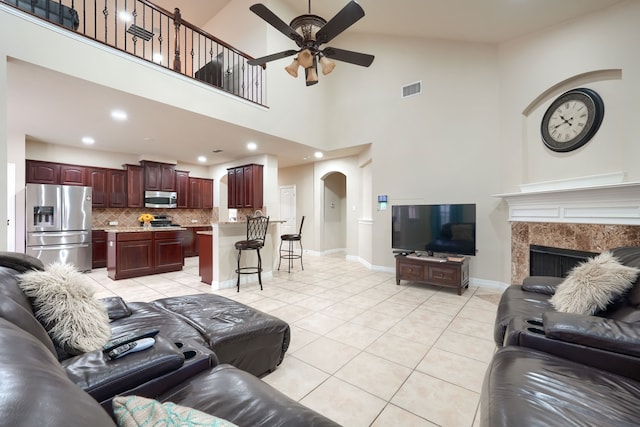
(136,411)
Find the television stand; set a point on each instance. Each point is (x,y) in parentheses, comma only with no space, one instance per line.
(433,271)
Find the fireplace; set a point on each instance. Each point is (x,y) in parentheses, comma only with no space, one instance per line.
(589,214)
(556,262)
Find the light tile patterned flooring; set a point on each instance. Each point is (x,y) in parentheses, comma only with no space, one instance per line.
(364,351)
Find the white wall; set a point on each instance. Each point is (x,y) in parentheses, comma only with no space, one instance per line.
(555,57)
(438,147)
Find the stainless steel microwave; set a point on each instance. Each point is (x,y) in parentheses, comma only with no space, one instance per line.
(160,199)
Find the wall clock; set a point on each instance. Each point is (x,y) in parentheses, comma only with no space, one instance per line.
(572,120)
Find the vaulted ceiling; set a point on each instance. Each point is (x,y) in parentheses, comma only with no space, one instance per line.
(487,21)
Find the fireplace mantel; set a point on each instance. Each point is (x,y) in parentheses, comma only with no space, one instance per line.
(594,204)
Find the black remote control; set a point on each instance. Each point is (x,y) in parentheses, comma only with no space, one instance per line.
(131,347)
(125,339)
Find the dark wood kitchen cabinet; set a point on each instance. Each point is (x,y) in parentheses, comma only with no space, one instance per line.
(191,240)
(135,186)
(159,176)
(98,249)
(73,175)
(167,251)
(244,184)
(200,193)
(117,179)
(207,193)
(195,193)
(141,253)
(182,188)
(108,187)
(97,179)
(39,172)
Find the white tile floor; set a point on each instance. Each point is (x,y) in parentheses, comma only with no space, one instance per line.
(364,351)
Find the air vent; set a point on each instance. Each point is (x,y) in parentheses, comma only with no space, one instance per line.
(217,150)
(140,32)
(412,89)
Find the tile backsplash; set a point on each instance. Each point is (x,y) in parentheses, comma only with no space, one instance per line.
(101,217)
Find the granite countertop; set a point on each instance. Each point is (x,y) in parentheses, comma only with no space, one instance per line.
(132,228)
(271,221)
(118,229)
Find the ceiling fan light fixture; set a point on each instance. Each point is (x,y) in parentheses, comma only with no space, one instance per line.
(305,58)
(326,65)
(292,68)
(312,76)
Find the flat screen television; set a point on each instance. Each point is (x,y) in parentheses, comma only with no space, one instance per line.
(446,229)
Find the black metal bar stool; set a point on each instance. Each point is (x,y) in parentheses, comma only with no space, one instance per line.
(290,254)
(256,235)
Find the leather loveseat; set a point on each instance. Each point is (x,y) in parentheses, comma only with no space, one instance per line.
(41,386)
(564,369)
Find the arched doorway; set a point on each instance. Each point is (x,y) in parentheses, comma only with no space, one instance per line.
(334,212)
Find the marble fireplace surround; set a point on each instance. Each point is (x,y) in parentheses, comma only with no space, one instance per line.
(588,214)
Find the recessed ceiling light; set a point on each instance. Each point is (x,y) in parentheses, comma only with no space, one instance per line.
(202,159)
(318,155)
(252,146)
(118,115)
(88,140)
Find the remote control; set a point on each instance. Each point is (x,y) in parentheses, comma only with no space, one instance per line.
(131,347)
(125,339)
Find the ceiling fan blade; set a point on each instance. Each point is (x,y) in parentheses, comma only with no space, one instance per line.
(263,12)
(349,56)
(348,16)
(273,57)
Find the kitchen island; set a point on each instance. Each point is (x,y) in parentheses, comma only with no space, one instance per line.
(219,257)
(132,252)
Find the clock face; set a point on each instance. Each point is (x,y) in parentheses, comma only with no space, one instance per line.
(568,121)
(572,120)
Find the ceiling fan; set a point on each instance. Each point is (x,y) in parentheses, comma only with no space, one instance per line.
(310,32)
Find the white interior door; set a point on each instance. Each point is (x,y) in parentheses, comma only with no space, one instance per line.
(288,209)
(11,207)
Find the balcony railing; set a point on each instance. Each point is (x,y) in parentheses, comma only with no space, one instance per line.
(154,34)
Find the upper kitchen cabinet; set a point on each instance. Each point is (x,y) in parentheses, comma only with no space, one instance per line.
(117,188)
(200,193)
(135,186)
(39,172)
(159,176)
(182,188)
(244,184)
(73,175)
(97,179)
(109,187)
(207,193)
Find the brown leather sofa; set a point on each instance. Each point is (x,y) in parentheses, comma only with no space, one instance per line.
(561,369)
(187,365)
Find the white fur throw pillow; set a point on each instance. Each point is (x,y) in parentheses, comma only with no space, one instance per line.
(63,302)
(592,285)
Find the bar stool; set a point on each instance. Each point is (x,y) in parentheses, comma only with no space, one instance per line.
(256,235)
(289,254)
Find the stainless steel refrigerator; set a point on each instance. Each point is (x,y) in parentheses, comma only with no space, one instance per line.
(59,224)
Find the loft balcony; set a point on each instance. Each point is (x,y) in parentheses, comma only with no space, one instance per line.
(156,35)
